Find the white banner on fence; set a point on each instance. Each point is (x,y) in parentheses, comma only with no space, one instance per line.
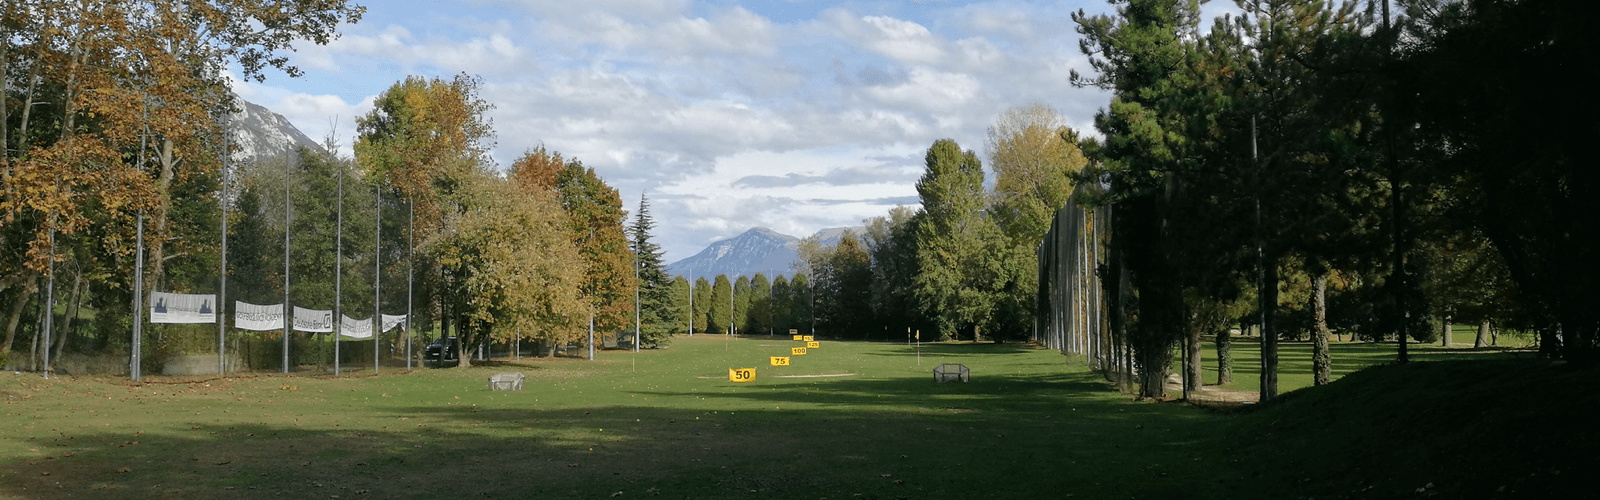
(312,320)
(182,308)
(391,321)
(356,329)
(247,316)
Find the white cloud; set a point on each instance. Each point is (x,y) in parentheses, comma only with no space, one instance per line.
(727,118)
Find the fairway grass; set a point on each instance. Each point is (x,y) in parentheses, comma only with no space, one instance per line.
(848,420)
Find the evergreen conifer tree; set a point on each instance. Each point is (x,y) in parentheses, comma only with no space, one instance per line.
(656,307)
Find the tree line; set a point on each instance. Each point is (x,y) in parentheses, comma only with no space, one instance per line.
(116,131)
(1310,164)
(111,123)
(959,266)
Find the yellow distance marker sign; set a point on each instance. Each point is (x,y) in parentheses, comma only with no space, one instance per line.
(797,351)
(741,375)
(813,345)
(809,338)
(778,360)
(798,338)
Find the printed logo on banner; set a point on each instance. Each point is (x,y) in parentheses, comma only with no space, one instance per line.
(312,320)
(259,318)
(182,308)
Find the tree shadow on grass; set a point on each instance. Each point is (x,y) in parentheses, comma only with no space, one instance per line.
(460,451)
(956,349)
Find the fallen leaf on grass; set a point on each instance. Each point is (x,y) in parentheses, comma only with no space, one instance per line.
(617,494)
(123,469)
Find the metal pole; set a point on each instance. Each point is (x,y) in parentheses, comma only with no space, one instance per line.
(1265,389)
(222,264)
(49,301)
(338,273)
(377,272)
(1399,273)
(591,332)
(287,309)
(691,302)
(637,334)
(138,297)
(138,259)
(411,225)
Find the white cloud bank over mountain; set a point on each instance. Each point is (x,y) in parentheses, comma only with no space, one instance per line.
(793,115)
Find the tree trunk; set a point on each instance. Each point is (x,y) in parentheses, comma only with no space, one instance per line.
(1196,374)
(1444,332)
(1483,332)
(1269,330)
(551,353)
(1549,347)
(465,332)
(33,341)
(1321,365)
(158,217)
(1224,356)
(72,312)
(28,287)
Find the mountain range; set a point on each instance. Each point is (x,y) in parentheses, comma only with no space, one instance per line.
(759,250)
(260,135)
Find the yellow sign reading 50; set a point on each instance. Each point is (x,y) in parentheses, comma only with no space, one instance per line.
(741,374)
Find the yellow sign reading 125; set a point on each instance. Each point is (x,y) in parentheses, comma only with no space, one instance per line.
(797,351)
(813,345)
(741,374)
(779,360)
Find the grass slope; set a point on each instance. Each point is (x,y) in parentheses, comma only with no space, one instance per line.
(667,423)
(1448,429)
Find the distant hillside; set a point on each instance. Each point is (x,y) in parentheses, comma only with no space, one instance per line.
(758,250)
(261,134)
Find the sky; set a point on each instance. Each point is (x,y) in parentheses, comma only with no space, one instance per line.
(794,115)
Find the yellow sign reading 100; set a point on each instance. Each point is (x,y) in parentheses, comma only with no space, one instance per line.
(741,374)
(813,345)
(779,360)
(797,351)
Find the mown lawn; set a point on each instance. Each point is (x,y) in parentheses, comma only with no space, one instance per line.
(848,420)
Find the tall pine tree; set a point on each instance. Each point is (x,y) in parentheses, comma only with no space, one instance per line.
(656,308)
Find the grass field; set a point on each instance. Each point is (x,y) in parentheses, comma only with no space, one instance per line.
(846,421)
(1294,358)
